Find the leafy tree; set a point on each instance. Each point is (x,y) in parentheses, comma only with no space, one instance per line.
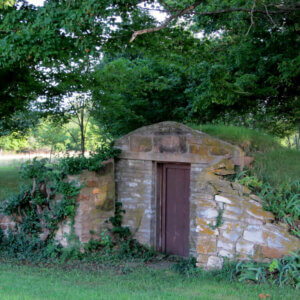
(245,67)
(244,70)
(52,135)
(6,3)
(253,69)
(45,50)
(79,107)
(129,94)
(14,142)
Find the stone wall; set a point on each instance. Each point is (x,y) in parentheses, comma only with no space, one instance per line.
(247,230)
(175,142)
(95,204)
(135,189)
(136,169)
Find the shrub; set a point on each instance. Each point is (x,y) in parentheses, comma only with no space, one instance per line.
(74,165)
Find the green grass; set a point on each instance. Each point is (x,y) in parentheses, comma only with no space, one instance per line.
(33,283)
(9,180)
(248,139)
(273,162)
(277,166)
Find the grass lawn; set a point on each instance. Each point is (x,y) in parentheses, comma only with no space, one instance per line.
(9,180)
(32,282)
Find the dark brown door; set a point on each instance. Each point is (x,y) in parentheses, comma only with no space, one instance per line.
(175,209)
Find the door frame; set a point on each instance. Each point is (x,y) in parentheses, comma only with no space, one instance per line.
(161,201)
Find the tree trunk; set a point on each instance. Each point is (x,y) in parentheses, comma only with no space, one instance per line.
(82,132)
(51,150)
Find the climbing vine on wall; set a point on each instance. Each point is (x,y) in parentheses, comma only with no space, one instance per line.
(42,205)
(39,207)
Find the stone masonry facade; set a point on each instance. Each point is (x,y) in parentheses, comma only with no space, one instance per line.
(246,229)
(95,205)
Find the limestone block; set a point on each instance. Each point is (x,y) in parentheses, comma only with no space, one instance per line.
(252,221)
(208,248)
(240,188)
(254,202)
(203,198)
(234,209)
(170,144)
(232,231)
(225,253)
(204,228)
(218,184)
(255,198)
(244,247)
(233,212)
(268,252)
(278,237)
(140,143)
(122,143)
(196,168)
(199,150)
(194,139)
(257,212)
(223,199)
(206,244)
(254,233)
(202,260)
(63,233)
(224,172)
(225,244)
(219,150)
(207,213)
(7,223)
(214,262)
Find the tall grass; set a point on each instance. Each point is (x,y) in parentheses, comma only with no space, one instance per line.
(248,139)
(273,164)
(277,166)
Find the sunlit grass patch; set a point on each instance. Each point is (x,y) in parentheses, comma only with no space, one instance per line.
(248,139)
(30,282)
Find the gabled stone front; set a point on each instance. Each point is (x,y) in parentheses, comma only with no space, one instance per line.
(246,231)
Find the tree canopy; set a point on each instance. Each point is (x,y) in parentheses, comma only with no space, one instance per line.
(228,61)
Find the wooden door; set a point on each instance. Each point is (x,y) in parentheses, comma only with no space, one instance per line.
(175,209)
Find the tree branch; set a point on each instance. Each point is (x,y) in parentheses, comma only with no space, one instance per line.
(190,10)
(252,18)
(167,22)
(269,16)
(281,10)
